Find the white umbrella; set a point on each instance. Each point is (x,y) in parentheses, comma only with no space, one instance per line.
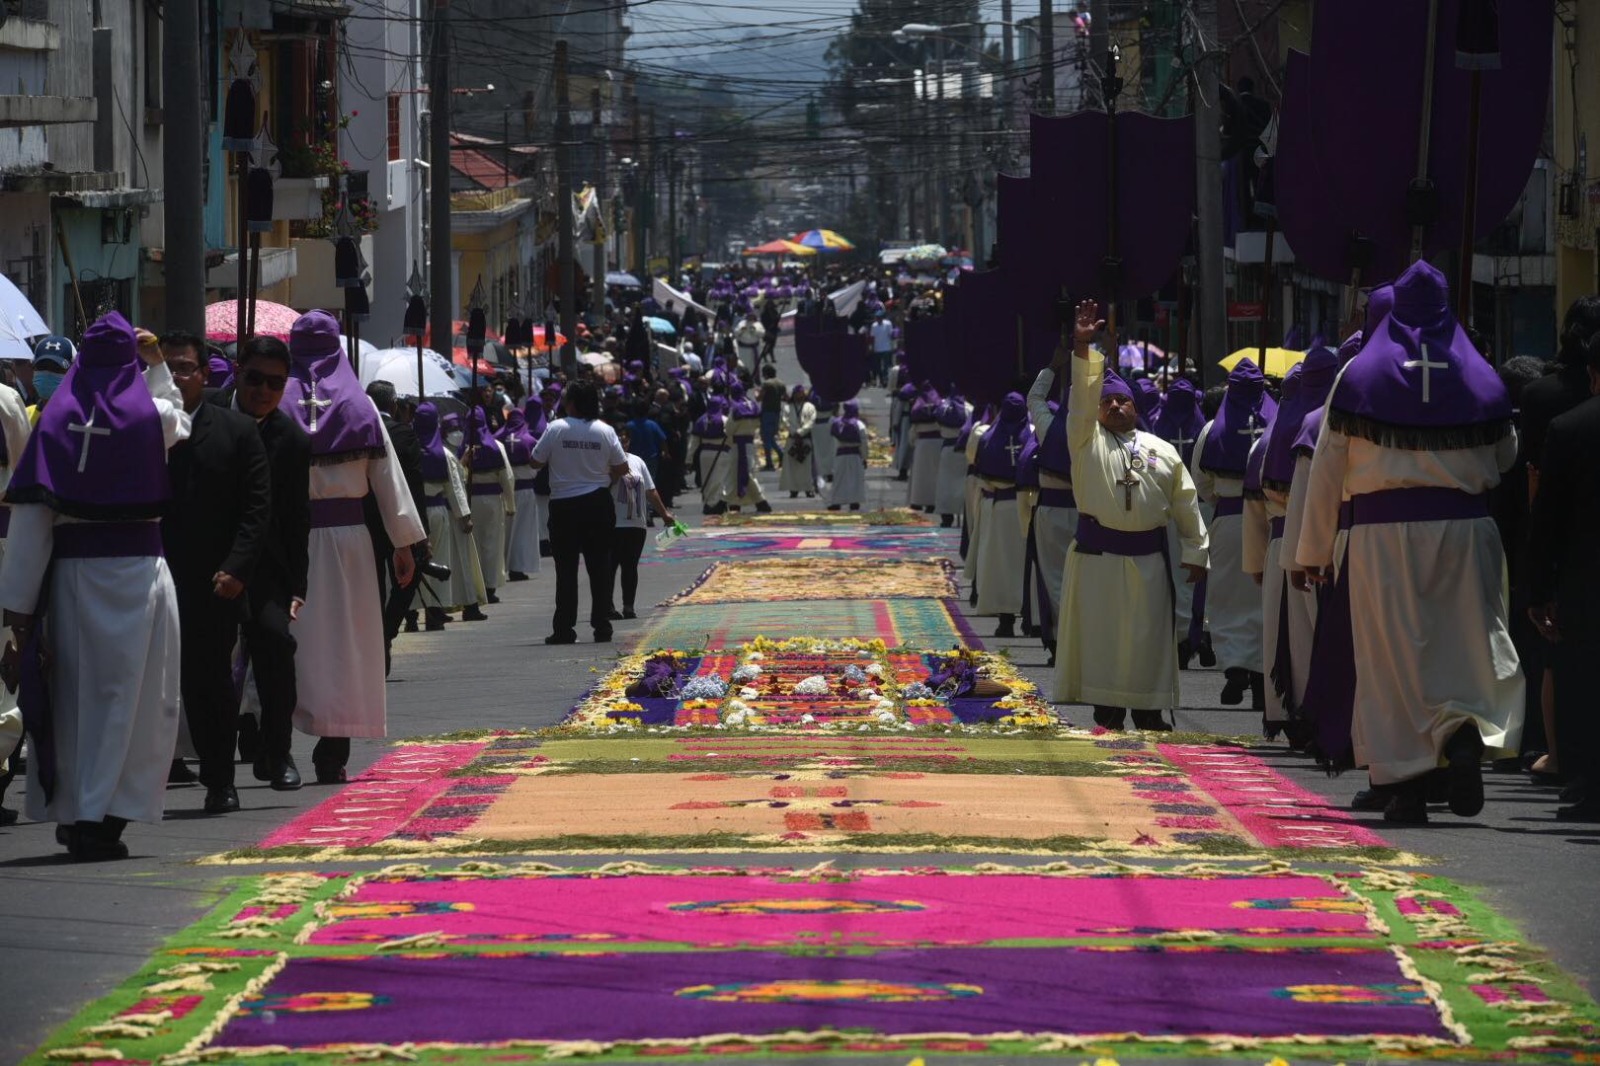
(398,366)
(364,349)
(18,322)
(594,358)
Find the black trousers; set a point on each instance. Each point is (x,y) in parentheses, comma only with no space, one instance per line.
(393,600)
(271,648)
(627,545)
(209,628)
(580,526)
(1576,661)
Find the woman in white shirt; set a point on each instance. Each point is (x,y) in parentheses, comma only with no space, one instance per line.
(635,494)
(585,458)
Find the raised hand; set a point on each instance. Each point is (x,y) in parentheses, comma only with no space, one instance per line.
(1086,324)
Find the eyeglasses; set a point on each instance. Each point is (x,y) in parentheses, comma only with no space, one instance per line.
(182,368)
(255,379)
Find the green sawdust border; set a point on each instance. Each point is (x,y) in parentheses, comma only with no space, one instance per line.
(1444,953)
(956,730)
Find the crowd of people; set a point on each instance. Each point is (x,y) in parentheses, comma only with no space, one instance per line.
(188,534)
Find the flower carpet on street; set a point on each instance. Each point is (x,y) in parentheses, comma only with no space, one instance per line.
(923,623)
(720,544)
(489,963)
(900,516)
(766,580)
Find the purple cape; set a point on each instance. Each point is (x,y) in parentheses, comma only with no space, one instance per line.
(1245,414)
(431,435)
(1313,379)
(1002,445)
(1305,442)
(98,452)
(1419,384)
(1055,457)
(533,414)
(711,424)
(325,396)
(1180,420)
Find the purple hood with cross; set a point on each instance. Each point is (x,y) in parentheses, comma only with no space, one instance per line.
(98,452)
(1418,383)
(1245,414)
(325,397)
(1002,445)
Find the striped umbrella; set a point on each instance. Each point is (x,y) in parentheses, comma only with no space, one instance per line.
(823,240)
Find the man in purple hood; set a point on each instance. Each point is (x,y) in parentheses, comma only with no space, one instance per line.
(99,682)
(1002,547)
(1233,602)
(1116,645)
(339,659)
(1418,430)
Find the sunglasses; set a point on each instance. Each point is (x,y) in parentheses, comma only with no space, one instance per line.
(255,379)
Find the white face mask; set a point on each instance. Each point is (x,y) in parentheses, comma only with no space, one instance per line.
(453,439)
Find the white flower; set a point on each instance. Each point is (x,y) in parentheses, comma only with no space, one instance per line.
(886,717)
(738,707)
(737,718)
(754,657)
(749,693)
(747,672)
(808,718)
(868,694)
(815,685)
(875,670)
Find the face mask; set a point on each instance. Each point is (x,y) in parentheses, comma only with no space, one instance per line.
(46,382)
(453,439)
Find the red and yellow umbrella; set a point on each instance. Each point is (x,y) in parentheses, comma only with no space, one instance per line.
(824,240)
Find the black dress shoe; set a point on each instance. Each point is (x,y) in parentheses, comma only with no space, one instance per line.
(474,613)
(1408,807)
(411,622)
(1587,811)
(602,636)
(517,575)
(86,844)
(1007,627)
(1373,798)
(794,495)
(1575,792)
(1185,653)
(261,767)
(1258,691)
(249,738)
(179,774)
(561,638)
(8,816)
(492,597)
(545,551)
(1029,629)
(224,800)
(1110,717)
(1463,763)
(947,521)
(628,612)
(331,775)
(1238,684)
(1208,658)
(1152,720)
(763,507)
(615,614)
(287,779)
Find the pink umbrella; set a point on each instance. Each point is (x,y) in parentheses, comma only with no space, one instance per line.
(272,320)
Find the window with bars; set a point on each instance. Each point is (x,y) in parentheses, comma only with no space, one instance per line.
(394,127)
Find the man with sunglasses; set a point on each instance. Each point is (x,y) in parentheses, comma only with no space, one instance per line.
(278,588)
(214,530)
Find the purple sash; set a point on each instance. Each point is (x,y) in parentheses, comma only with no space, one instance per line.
(1423,504)
(1228,507)
(1096,539)
(106,540)
(743,445)
(1275,532)
(340,511)
(999,495)
(1057,498)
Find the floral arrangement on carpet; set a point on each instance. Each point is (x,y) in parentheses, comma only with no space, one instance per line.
(808,683)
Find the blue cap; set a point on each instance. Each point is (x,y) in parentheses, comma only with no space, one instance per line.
(54,353)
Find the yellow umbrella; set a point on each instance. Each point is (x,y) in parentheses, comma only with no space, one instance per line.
(1278,360)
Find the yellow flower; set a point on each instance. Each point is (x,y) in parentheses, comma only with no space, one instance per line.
(1105,1061)
(1275,1061)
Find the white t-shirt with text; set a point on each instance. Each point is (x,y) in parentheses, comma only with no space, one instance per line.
(631,494)
(580,455)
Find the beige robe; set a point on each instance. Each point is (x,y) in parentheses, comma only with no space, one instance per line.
(491,517)
(1233,603)
(1428,599)
(451,544)
(1115,642)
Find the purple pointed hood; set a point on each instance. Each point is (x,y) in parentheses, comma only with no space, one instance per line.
(1002,445)
(325,396)
(516,438)
(1180,420)
(534,417)
(712,423)
(1419,384)
(1246,412)
(848,427)
(430,433)
(485,449)
(98,452)
(1313,379)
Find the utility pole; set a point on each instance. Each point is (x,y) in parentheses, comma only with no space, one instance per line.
(1099,44)
(1211,297)
(636,215)
(182,160)
(1007,73)
(1047,57)
(597,280)
(564,238)
(440,258)
(672,209)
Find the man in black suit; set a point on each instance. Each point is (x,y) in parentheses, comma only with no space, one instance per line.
(214,531)
(278,588)
(395,599)
(1564,584)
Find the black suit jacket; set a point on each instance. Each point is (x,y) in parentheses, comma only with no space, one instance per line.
(285,558)
(221,507)
(1564,562)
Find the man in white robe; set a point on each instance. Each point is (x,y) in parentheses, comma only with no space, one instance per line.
(713,452)
(1233,601)
(449,521)
(1116,647)
(1002,547)
(849,435)
(1417,431)
(91,505)
(522,538)
(1055,519)
(822,442)
(950,496)
(927,445)
(493,488)
(339,634)
(799,472)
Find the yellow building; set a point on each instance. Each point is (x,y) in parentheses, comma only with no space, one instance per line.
(1576,135)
